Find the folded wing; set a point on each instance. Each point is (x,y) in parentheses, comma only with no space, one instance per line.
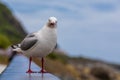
(28,42)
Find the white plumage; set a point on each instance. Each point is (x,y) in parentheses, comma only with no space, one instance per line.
(40,43)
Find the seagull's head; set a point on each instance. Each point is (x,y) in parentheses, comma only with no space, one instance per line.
(52,22)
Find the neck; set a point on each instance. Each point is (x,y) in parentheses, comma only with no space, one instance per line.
(47,28)
(47,31)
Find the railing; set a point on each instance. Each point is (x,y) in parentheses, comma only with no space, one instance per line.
(16,70)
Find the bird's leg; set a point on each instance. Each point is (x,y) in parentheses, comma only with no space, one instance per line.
(29,69)
(43,70)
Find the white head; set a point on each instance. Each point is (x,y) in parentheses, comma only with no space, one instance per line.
(52,22)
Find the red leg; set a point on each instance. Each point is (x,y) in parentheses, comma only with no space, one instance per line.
(29,69)
(42,70)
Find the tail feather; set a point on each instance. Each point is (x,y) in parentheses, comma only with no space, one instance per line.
(16,48)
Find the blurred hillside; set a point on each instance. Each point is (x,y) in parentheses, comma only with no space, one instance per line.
(57,63)
(11,30)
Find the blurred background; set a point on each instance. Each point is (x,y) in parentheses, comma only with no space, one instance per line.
(88,35)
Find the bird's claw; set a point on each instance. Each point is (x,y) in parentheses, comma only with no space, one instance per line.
(30,71)
(43,71)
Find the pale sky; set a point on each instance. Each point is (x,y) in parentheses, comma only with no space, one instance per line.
(85,27)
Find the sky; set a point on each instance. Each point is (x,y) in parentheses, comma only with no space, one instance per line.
(89,28)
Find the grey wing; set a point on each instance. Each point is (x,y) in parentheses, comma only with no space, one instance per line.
(28,42)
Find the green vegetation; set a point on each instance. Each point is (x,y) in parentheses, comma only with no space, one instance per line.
(11,31)
(61,57)
(4,41)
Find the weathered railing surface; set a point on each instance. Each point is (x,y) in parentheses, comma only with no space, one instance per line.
(17,71)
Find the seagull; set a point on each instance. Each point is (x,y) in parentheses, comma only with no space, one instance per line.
(39,44)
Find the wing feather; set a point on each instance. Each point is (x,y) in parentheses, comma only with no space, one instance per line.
(28,42)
